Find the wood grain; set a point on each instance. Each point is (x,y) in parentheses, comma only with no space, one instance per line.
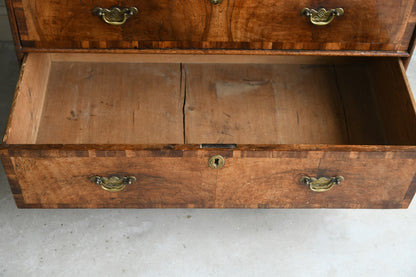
(112,102)
(250,179)
(67,102)
(26,109)
(395,100)
(201,57)
(361,112)
(281,104)
(193,51)
(371,181)
(375,25)
(347,102)
(179,150)
(293,102)
(161,183)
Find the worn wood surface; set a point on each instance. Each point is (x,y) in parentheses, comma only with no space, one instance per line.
(112,102)
(28,101)
(270,53)
(201,58)
(357,95)
(290,104)
(234,24)
(178,150)
(265,104)
(79,102)
(249,179)
(395,100)
(293,102)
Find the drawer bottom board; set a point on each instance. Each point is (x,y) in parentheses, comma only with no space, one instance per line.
(295,101)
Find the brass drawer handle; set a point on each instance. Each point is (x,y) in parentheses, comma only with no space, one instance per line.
(115,16)
(216,162)
(322,184)
(322,17)
(215,2)
(113,183)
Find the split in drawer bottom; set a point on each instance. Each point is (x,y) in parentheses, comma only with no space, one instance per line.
(277,124)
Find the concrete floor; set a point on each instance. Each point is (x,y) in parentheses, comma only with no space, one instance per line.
(199,242)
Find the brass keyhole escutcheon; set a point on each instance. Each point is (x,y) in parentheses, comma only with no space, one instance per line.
(216,162)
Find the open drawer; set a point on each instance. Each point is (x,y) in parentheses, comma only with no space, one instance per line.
(169,131)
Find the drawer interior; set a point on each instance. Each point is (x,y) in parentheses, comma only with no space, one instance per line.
(191,99)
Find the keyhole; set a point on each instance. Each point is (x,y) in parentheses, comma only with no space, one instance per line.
(216,162)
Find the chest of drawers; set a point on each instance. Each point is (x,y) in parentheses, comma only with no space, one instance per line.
(195,104)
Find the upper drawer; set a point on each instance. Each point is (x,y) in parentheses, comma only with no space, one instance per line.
(373,25)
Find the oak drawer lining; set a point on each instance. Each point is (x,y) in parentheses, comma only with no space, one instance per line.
(283,100)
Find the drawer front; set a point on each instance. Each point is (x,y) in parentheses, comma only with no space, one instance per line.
(182,179)
(161,182)
(365,25)
(233,24)
(72,24)
(275,180)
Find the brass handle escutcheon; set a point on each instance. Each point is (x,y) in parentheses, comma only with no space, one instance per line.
(113,183)
(322,16)
(115,16)
(321,184)
(216,162)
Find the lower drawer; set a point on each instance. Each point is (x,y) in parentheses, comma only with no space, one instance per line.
(140,131)
(180,178)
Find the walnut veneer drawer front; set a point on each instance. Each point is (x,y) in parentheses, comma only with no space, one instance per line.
(161,181)
(145,131)
(232,24)
(178,178)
